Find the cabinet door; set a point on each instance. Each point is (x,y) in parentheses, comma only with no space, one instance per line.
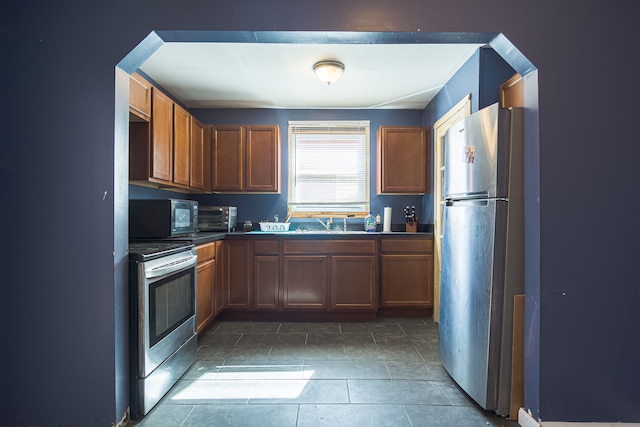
(406,280)
(221,278)
(238,293)
(181,145)
(262,172)
(140,97)
(305,282)
(403,156)
(353,282)
(197,170)
(266,279)
(161,152)
(228,158)
(205,298)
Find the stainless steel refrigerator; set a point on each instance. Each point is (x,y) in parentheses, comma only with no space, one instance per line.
(482,252)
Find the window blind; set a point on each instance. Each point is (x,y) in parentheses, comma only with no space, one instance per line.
(328,167)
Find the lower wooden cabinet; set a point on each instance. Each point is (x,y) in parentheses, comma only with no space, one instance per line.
(220,282)
(206,284)
(353,282)
(305,282)
(266,279)
(238,274)
(266,275)
(283,274)
(330,274)
(406,273)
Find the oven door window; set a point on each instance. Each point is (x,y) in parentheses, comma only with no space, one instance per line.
(171,302)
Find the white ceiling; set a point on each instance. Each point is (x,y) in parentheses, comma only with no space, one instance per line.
(274,75)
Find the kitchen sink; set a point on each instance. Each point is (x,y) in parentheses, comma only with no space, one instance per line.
(336,232)
(311,232)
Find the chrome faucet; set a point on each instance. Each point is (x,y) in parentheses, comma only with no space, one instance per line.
(327,225)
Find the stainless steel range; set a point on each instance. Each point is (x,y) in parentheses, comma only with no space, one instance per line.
(162,319)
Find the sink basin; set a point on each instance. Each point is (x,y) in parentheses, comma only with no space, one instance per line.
(329,232)
(338,232)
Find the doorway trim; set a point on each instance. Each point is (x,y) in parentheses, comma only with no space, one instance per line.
(458,112)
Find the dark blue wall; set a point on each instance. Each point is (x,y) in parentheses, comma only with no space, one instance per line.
(62,161)
(263,206)
(481,76)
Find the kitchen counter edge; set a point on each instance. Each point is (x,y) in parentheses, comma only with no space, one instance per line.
(206,237)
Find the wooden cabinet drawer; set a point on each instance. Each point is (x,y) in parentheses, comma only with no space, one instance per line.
(406,246)
(265,247)
(206,251)
(327,247)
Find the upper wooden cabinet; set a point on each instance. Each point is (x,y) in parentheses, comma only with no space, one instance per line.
(181,146)
(227,158)
(171,150)
(262,168)
(161,148)
(246,158)
(403,158)
(140,97)
(200,153)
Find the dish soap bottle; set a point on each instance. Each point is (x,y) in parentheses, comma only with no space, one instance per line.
(370,222)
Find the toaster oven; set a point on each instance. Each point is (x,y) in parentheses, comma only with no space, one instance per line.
(217,218)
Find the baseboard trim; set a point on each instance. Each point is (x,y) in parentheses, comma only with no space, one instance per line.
(526,420)
(125,419)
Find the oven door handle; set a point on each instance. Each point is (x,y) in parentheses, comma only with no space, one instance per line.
(172,267)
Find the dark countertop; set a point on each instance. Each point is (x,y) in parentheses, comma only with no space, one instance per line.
(203,237)
(206,236)
(323,235)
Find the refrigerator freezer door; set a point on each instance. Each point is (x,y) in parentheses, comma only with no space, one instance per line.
(470,295)
(475,162)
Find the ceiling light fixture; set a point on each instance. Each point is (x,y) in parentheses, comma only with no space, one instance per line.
(328,71)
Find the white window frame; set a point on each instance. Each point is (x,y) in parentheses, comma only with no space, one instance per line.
(305,209)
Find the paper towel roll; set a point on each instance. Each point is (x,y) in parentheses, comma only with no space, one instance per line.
(387,219)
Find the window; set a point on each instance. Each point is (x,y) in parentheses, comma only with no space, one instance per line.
(328,168)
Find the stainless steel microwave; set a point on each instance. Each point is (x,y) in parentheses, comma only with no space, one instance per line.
(217,218)
(161,218)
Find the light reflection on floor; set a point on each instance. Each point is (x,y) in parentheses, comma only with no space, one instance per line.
(248,382)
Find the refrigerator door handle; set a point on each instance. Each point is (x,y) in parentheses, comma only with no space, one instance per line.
(467,196)
(466,203)
(473,202)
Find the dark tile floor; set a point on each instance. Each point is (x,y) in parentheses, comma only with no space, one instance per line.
(381,373)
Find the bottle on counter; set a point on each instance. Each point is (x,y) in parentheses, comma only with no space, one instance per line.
(370,222)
